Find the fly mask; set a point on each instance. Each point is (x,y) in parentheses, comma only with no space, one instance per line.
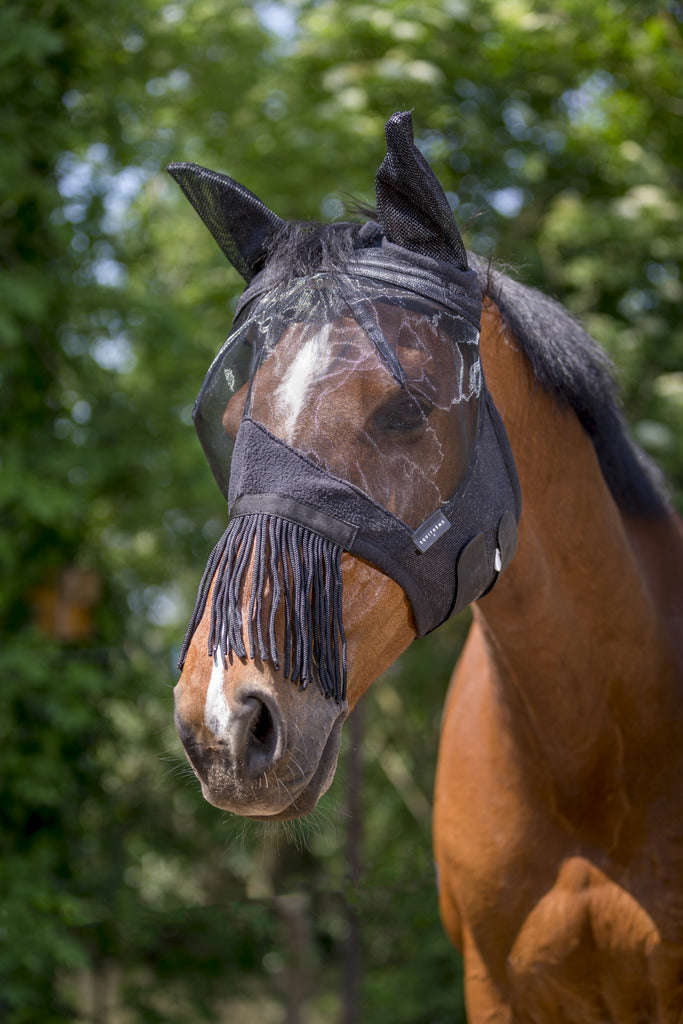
(362,423)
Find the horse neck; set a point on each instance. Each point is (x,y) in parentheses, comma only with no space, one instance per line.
(575,637)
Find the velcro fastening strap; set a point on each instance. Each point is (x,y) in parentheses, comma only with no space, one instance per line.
(507,538)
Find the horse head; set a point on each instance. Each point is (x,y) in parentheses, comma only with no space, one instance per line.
(371,487)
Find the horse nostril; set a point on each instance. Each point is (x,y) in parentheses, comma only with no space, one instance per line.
(262,728)
(263,736)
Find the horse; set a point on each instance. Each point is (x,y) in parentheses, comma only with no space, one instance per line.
(557,819)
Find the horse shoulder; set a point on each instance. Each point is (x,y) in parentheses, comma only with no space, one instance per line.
(533,912)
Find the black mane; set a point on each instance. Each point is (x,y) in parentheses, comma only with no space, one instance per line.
(300,248)
(565,360)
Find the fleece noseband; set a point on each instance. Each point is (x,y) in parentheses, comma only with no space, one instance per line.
(363,424)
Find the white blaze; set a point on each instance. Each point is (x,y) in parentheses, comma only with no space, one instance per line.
(309,365)
(216,708)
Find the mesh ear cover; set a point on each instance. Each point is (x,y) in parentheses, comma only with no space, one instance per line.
(237,219)
(412,205)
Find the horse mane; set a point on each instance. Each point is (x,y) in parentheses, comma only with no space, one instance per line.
(565,360)
(300,248)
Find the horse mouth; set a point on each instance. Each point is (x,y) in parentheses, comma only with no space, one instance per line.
(290,789)
(315,788)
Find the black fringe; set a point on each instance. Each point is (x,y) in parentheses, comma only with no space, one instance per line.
(303,571)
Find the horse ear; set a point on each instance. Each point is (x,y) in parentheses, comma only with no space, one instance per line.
(237,219)
(412,206)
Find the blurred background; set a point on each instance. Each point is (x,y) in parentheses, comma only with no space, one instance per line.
(556,131)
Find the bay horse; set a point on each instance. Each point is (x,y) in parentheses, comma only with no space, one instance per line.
(558,807)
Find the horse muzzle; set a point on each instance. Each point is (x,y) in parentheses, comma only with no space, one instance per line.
(261,747)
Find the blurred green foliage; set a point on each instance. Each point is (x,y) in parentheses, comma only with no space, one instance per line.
(556,131)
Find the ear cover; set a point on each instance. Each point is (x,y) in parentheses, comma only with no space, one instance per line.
(237,219)
(412,206)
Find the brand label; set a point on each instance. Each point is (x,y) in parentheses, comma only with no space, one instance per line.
(430,531)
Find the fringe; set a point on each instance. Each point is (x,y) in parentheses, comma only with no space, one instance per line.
(302,571)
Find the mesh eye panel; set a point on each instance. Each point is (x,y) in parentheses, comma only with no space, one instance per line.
(376,385)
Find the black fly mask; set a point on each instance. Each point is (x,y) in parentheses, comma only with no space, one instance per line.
(360,422)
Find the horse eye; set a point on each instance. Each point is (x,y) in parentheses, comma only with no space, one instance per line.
(404,413)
